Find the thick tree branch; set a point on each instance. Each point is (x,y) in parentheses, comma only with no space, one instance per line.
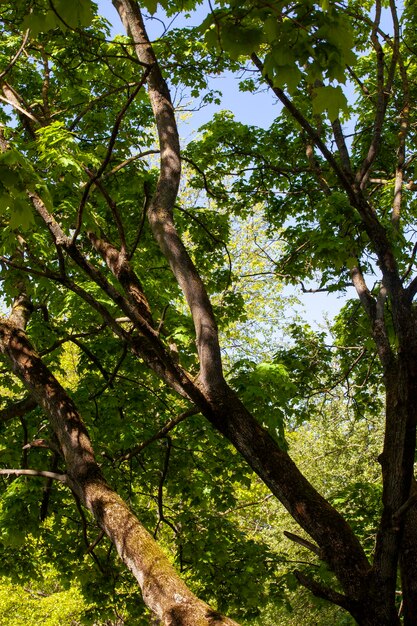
(18,409)
(148,344)
(163,590)
(160,211)
(321,591)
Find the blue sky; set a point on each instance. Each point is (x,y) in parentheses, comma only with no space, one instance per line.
(257,109)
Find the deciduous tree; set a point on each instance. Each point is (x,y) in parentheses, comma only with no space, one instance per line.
(100,249)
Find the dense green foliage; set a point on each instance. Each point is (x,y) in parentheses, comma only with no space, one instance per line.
(258,209)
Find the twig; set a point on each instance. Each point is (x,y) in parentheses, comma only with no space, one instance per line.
(245,505)
(160,434)
(96,541)
(107,158)
(131,159)
(16,56)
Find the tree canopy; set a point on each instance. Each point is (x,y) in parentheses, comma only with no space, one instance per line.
(160,407)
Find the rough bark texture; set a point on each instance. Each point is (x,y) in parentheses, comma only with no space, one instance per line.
(408,558)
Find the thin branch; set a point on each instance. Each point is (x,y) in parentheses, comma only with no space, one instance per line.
(358,81)
(131,159)
(214,238)
(85,534)
(96,100)
(43,511)
(60,342)
(107,158)
(295,112)
(383,95)
(160,434)
(245,505)
(404,125)
(164,473)
(146,204)
(113,207)
(203,175)
(16,56)
(92,357)
(96,541)
(112,376)
(410,265)
(31,472)
(320,289)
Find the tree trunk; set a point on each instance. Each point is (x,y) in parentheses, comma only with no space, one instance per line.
(408,559)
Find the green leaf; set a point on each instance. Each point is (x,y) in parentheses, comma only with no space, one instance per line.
(77,13)
(21,214)
(330,99)
(151,5)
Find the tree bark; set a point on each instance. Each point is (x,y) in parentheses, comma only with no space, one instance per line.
(408,559)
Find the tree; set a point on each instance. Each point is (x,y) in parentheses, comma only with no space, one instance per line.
(77,193)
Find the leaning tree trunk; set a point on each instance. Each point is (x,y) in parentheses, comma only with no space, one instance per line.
(163,590)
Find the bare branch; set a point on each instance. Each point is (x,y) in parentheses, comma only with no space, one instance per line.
(31,472)
(304,542)
(127,162)
(321,591)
